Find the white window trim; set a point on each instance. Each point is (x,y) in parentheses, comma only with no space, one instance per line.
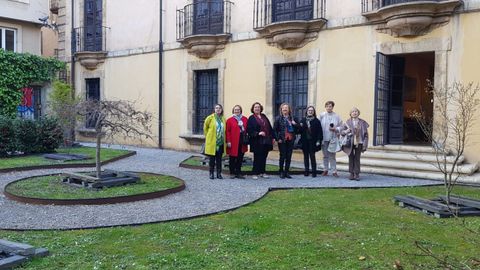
(4,40)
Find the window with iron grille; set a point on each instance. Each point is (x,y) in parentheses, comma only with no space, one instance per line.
(93,26)
(208,17)
(8,39)
(205,97)
(92,93)
(291,86)
(290,10)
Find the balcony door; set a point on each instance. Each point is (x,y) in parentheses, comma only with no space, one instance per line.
(208,17)
(291,86)
(93,26)
(291,10)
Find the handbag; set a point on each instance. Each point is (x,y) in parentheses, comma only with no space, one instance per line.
(346,140)
(297,144)
(202,149)
(334,145)
(245,138)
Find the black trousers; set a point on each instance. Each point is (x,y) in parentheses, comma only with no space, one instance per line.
(309,157)
(235,163)
(216,161)
(286,149)
(260,159)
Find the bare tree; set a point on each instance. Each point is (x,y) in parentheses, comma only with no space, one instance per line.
(114,118)
(451,127)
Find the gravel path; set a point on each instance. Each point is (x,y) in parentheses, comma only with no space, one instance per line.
(201,196)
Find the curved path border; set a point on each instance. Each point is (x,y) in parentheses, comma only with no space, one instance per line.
(93,201)
(201,196)
(66,165)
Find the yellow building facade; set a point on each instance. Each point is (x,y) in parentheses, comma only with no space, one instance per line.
(304,52)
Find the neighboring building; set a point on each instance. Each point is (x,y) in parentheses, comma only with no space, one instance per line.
(373,54)
(21,31)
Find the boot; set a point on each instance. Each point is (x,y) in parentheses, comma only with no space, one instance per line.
(219,174)
(211,175)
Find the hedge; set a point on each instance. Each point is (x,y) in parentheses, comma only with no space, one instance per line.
(29,136)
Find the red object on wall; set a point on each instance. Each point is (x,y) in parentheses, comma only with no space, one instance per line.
(27,99)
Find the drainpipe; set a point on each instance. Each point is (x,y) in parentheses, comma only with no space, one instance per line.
(72,62)
(72,44)
(160,79)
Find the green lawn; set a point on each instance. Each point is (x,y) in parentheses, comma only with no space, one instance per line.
(51,187)
(290,229)
(197,161)
(37,160)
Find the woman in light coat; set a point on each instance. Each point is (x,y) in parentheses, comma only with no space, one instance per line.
(355,130)
(215,146)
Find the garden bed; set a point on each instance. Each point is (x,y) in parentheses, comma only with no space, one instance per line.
(37,161)
(50,189)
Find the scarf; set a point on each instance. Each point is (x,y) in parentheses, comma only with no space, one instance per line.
(240,122)
(288,124)
(220,132)
(309,119)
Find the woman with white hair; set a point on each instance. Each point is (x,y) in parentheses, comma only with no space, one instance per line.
(355,141)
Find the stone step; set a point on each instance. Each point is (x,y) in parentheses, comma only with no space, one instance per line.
(408,156)
(402,173)
(408,165)
(403,148)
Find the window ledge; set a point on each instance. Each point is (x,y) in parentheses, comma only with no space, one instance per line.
(192,137)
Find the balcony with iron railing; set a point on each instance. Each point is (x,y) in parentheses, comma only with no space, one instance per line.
(204,27)
(289,24)
(408,18)
(89,45)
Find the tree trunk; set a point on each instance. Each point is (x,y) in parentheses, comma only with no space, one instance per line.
(97,155)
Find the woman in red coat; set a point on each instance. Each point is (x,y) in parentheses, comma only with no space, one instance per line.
(236,138)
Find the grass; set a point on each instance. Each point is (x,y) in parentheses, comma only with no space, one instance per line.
(289,229)
(197,161)
(51,187)
(38,160)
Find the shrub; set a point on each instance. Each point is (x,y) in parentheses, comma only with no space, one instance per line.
(7,136)
(26,135)
(50,135)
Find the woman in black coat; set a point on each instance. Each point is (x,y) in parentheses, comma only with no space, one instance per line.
(284,130)
(260,135)
(311,139)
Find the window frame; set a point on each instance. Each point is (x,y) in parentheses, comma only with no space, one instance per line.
(3,38)
(198,117)
(296,83)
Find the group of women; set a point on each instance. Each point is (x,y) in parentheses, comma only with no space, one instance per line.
(312,134)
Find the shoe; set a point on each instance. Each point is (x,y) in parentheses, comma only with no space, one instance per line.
(288,176)
(239,176)
(219,175)
(314,175)
(265,176)
(335,174)
(351,177)
(325,173)
(306,173)
(282,175)
(357,177)
(212,176)
(254,177)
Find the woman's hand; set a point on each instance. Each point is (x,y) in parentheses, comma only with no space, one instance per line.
(280,141)
(261,133)
(229,145)
(293,122)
